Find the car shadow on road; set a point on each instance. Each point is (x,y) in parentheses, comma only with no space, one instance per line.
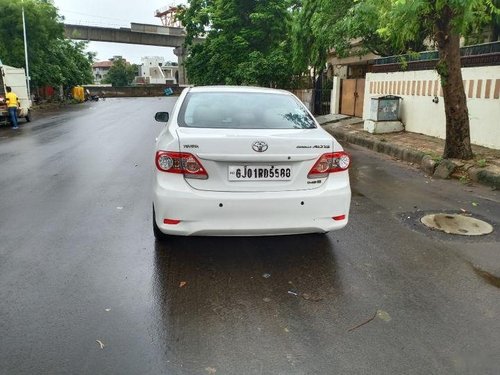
(241,296)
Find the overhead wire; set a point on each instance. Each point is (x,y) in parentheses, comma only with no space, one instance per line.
(126,23)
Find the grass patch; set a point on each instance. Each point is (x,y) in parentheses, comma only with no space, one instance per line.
(465,179)
(481,163)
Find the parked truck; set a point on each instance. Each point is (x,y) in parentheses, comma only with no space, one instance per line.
(16,79)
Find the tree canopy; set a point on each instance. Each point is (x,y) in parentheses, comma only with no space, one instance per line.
(244,42)
(443,22)
(392,27)
(339,23)
(121,73)
(309,49)
(52,59)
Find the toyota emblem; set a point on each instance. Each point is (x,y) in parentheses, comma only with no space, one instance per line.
(260,146)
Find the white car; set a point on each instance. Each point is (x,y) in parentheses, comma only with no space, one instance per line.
(245,161)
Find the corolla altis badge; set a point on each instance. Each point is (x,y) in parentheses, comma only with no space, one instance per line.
(260,146)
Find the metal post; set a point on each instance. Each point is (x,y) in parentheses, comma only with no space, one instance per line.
(26,55)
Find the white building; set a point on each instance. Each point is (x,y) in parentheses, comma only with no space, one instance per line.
(100,70)
(154,70)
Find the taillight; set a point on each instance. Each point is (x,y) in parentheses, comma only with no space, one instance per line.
(330,163)
(181,163)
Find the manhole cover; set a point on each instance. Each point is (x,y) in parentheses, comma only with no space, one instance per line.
(457,224)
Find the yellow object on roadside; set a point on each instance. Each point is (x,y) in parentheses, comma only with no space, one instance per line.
(78,93)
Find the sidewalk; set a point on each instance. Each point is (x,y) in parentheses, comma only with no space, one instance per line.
(422,150)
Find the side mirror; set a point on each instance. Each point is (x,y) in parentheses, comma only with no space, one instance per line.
(161,116)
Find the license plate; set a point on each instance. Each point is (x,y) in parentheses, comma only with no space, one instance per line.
(260,173)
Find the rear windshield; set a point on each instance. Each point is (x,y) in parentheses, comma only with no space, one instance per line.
(243,110)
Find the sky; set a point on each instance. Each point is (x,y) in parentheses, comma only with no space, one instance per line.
(116,14)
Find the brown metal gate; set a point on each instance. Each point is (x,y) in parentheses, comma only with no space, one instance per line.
(352,94)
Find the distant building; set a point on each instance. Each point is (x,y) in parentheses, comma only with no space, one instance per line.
(101,68)
(154,70)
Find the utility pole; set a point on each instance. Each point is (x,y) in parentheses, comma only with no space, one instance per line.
(26,53)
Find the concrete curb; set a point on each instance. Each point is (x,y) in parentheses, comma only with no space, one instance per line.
(423,160)
(405,154)
(484,177)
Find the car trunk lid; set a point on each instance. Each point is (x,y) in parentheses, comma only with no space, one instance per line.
(255,159)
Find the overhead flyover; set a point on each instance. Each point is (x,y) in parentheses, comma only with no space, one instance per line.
(138,33)
(149,35)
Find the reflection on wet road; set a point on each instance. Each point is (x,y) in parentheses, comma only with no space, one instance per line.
(79,266)
(243,304)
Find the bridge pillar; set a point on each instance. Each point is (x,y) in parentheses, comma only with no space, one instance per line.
(180,52)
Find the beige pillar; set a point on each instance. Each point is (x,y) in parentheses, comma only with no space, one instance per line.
(180,52)
(335,98)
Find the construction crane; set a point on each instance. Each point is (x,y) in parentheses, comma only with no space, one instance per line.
(167,16)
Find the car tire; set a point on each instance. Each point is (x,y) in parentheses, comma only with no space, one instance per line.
(28,117)
(159,235)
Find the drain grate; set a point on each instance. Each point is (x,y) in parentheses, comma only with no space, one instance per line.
(457,224)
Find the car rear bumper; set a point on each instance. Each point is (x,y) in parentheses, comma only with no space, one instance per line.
(207,213)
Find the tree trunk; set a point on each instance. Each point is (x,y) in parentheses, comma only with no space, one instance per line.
(457,145)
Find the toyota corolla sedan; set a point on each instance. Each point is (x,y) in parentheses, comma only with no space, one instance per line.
(245,161)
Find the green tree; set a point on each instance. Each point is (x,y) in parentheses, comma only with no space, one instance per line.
(245,42)
(309,49)
(389,27)
(495,23)
(444,22)
(121,73)
(337,23)
(65,63)
(486,26)
(53,60)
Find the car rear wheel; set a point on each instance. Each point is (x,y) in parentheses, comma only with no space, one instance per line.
(159,235)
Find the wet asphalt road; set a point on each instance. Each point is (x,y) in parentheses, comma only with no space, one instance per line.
(79,263)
